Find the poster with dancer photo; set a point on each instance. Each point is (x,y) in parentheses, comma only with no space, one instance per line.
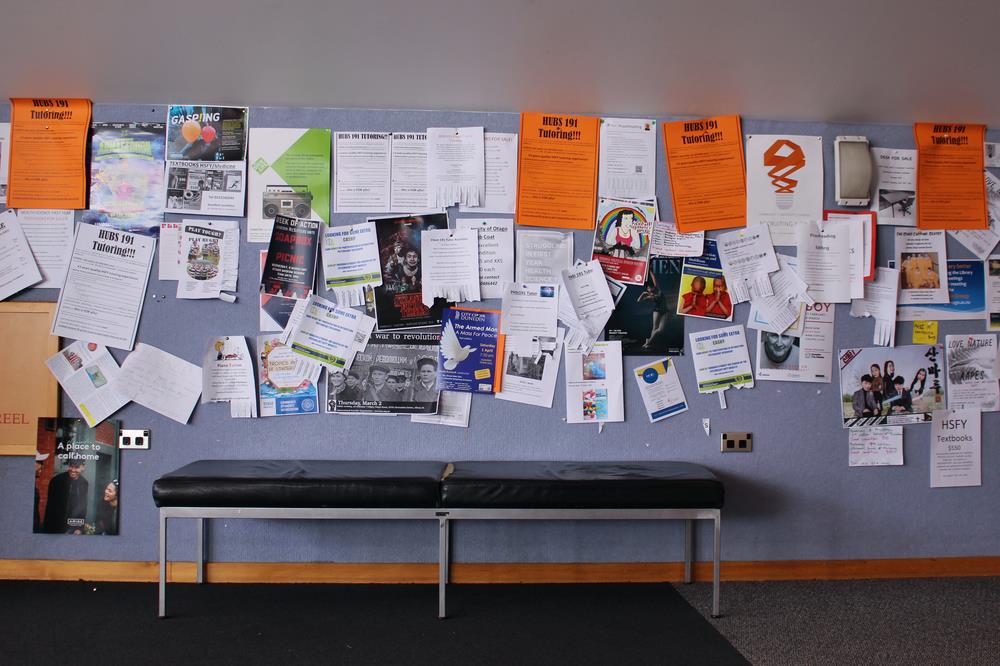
(702,291)
(621,238)
(645,319)
(399,299)
(891,385)
(76,478)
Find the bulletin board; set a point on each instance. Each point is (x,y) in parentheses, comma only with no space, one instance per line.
(794,497)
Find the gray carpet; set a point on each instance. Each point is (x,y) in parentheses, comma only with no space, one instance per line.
(859,622)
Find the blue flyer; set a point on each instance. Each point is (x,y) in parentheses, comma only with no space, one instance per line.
(471,350)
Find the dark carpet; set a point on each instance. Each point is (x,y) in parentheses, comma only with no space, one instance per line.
(111,623)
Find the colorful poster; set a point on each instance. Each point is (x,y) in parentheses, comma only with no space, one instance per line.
(621,239)
(287,382)
(705,165)
(702,291)
(645,319)
(399,299)
(661,390)
(784,183)
(557,173)
(126,177)
(76,478)
(721,359)
(966,296)
(289,175)
(891,386)
(951,192)
(471,350)
(290,268)
(206,160)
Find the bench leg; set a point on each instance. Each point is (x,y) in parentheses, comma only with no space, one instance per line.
(202,545)
(162,593)
(716,556)
(443,562)
(688,548)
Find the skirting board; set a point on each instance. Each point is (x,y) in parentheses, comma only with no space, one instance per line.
(603,572)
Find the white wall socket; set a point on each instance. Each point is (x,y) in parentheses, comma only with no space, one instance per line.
(133,439)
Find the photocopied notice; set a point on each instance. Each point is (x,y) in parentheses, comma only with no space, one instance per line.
(721,359)
(982,241)
(627,165)
(161,382)
(530,309)
(451,265)
(879,303)
(50,235)
(594,384)
(784,183)
(496,253)
(453,410)
(206,160)
(956,448)
(973,372)
(747,257)
(456,166)
(169,262)
(105,287)
(824,260)
(920,258)
(993,293)
(864,249)
(805,357)
(4,160)
(362,172)
(408,171)
(880,445)
(951,193)
(18,269)
(501,174)
(895,194)
(530,368)
(668,241)
(227,375)
(87,372)
(542,255)
(784,308)
(585,304)
(350,262)
(661,390)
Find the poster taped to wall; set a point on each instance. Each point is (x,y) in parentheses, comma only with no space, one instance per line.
(891,386)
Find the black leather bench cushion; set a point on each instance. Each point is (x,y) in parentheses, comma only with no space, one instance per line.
(302,483)
(581,485)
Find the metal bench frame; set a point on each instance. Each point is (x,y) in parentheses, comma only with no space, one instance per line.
(444,517)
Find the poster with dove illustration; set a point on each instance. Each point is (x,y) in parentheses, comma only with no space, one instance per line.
(471,350)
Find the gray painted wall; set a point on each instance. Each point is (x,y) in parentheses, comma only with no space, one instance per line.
(793,498)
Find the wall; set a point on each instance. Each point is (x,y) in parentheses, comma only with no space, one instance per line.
(793,498)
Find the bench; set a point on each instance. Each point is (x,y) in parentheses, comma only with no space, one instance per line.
(441,492)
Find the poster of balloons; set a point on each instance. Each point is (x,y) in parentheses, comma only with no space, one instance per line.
(207,133)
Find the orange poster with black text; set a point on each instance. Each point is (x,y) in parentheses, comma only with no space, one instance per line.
(557,171)
(707,173)
(48,153)
(951,190)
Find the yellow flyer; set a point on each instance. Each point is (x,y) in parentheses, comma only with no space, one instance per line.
(707,173)
(48,153)
(557,171)
(951,191)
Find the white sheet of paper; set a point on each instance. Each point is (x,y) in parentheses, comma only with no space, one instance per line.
(450,265)
(456,166)
(585,304)
(862,250)
(227,375)
(530,368)
(169,256)
(160,381)
(991,154)
(803,357)
(784,182)
(542,255)
(747,257)
(496,253)
(661,390)
(105,287)
(453,410)
(594,384)
(895,196)
(992,275)
(361,172)
(530,309)
(721,359)
(50,236)
(18,269)
(956,448)
(879,303)
(351,262)
(877,445)
(856,241)
(824,260)
(4,160)
(501,174)
(922,261)
(626,166)
(409,171)
(982,241)
(775,313)
(88,372)
(973,372)
(328,334)
(667,241)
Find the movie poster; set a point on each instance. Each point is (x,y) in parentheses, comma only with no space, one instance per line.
(891,385)
(399,299)
(702,291)
(76,477)
(290,267)
(126,177)
(646,319)
(621,238)
(397,373)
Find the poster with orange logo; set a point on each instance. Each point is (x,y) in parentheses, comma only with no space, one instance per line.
(784,183)
(557,171)
(951,192)
(48,153)
(705,165)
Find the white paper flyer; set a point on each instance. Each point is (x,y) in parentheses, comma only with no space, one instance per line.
(87,372)
(227,375)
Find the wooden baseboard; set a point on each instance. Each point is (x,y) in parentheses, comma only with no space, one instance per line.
(603,572)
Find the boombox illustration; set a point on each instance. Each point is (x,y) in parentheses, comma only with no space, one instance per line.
(290,200)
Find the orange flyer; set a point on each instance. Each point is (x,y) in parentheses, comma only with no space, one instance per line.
(951,188)
(707,173)
(557,171)
(48,153)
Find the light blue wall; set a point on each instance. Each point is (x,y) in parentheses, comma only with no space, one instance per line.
(794,497)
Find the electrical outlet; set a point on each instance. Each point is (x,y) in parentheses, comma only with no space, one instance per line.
(133,439)
(737,441)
